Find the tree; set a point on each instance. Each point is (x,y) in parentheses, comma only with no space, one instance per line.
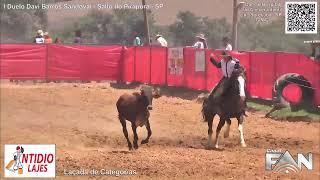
(110,28)
(189,25)
(271,37)
(20,25)
(185,28)
(215,30)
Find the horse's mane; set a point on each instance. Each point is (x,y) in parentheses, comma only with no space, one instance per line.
(241,71)
(234,87)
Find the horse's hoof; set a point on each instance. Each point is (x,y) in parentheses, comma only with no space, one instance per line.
(209,147)
(135,146)
(226,135)
(130,146)
(243,145)
(144,141)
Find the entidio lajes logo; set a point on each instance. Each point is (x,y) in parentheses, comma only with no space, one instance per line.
(29,160)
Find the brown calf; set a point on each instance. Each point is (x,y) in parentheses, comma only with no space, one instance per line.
(135,108)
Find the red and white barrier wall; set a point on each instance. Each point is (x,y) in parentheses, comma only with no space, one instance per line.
(150,65)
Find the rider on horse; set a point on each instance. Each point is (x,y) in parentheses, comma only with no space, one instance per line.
(229,67)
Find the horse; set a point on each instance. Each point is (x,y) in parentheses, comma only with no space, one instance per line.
(231,106)
(135,108)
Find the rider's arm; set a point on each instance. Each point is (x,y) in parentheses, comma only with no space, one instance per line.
(215,63)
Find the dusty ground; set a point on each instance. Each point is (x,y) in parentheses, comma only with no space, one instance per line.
(82,121)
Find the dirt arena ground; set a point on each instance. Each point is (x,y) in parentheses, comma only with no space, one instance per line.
(81,119)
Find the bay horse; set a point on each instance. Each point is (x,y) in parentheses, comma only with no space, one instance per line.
(135,108)
(230,106)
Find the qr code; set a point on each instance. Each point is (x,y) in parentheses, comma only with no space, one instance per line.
(301,17)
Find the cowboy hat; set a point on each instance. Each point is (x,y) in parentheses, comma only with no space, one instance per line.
(46,34)
(40,32)
(201,36)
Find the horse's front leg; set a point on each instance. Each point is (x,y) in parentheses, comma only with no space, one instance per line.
(219,127)
(149,133)
(240,128)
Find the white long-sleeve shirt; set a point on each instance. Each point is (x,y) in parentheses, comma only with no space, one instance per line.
(199,45)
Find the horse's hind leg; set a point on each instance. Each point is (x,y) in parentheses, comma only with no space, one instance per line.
(125,132)
(149,133)
(219,127)
(240,128)
(226,133)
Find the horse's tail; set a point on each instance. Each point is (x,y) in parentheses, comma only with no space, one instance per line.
(205,110)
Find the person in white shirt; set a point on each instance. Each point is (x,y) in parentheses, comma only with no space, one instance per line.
(201,42)
(228,66)
(39,39)
(161,41)
(226,44)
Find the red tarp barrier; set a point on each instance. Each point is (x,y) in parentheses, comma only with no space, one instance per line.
(142,66)
(294,63)
(310,69)
(317,84)
(128,64)
(176,80)
(158,65)
(103,63)
(66,62)
(262,74)
(85,63)
(19,61)
(193,79)
(286,63)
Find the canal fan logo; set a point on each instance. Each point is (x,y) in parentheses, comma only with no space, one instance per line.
(279,161)
(30,160)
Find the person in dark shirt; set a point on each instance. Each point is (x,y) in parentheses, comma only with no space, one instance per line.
(77,38)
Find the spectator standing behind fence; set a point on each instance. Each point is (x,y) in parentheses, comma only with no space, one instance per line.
(160,41)
(39,37)
(47,38)
(77,38)
(201,42)
(136,40)
(226,44)
(58,41)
